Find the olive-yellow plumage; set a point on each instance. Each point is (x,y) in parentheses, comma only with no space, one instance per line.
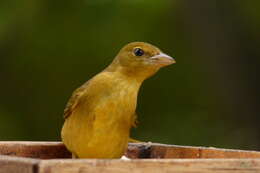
(100,114)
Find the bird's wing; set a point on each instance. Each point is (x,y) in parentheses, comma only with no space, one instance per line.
(74,100)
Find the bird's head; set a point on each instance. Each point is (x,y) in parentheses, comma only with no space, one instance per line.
(140,60)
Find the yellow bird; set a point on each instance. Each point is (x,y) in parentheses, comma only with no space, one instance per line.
(100,114)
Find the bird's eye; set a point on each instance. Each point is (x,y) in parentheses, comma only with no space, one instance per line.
(138,52)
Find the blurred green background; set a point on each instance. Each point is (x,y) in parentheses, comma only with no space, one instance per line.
(210,97)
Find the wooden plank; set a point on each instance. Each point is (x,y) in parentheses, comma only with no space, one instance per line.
(153,150)
(18,165)
(51,150)
(42,150)
(150,166)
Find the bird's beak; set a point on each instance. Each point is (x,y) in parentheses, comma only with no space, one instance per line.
(162,59)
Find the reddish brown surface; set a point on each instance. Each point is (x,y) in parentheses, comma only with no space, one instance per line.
(52,150)
(174,151)
(183,159)
(41,150)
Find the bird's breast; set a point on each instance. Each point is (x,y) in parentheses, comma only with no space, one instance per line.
(100,126)
(118,106)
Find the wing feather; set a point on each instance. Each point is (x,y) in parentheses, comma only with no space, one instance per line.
(74,100)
